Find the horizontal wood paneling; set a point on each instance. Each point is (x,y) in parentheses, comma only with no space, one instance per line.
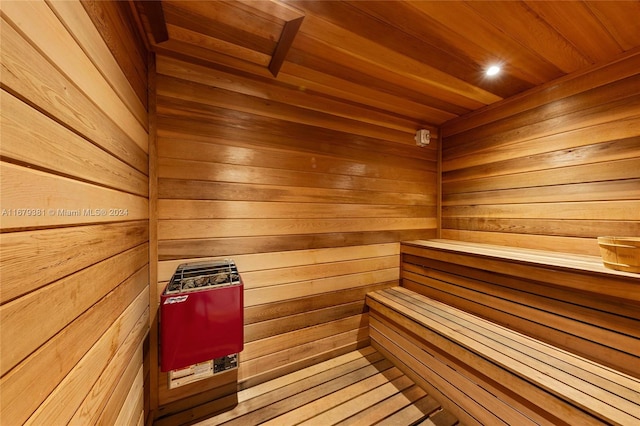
(244,154)
(132,410)
(185,209)
(309,198)
(72,202)
(190,91)
(54,253)
(49,309)
(286,94)
(43,370)
(221,172)
(206,190)
(117,25)
(122,336)
(74,301)
(561,227)
(32,77)
(126,380)
(54,40)
(262,279)
(177,249)
(553,168)
(31,137)
(223,228)
(286,261)
(240,128)
(101,54)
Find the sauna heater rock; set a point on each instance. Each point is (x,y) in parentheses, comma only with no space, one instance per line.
(201,319)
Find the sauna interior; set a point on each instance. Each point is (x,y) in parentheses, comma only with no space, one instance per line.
(390,207)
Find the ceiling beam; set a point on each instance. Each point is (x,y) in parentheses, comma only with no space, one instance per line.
(284,44)
(157,23)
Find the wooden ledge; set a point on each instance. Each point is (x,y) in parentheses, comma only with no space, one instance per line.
(578,272)
(579,262)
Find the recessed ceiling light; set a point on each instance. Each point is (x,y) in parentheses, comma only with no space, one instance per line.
(493,70)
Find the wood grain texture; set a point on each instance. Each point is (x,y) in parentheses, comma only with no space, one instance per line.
(203,121)
(422,62)
(278,91)
(205,209)
(117,27)
(124,335)
(32,137)
(245,153)
(337,391)
(309,198)
(596,43)
(287,323)
(32,77)
(413,34)
(221,172)
(75,138)
(49,310)
(548,227)
(220,247)
(222,98)
(151,358)
(618,68)
(48,255)
(534,292)
(270,345)
(551,170)
(43,370)
(284,44)
(54,41)
(75,18)
(132,412)
(157,22)
(596,210)
(571,388)
(225,228)
(307,272)
(280,261)
(127,389)
(72,202)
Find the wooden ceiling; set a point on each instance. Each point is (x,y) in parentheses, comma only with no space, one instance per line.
(420,61)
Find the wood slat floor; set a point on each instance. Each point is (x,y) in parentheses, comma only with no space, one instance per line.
(358,388)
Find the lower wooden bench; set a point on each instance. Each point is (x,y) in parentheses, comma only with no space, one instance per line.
(488,374)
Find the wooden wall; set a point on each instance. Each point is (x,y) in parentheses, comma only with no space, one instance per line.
(74,300)
(309,201)
(553,168)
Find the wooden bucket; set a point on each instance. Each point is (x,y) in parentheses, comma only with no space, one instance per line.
(620,253)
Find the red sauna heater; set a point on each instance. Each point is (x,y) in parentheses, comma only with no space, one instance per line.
(201,318)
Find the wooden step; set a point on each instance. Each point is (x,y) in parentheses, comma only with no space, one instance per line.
(488,371)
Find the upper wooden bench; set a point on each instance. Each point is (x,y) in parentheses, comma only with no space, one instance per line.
(572,271)
(570,301)
(488,374)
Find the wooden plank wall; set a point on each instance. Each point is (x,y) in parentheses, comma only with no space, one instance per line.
(74,300)
(309,202)
(551,169)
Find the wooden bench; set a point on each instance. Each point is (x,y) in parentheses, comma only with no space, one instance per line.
(569,301)
(488,374)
